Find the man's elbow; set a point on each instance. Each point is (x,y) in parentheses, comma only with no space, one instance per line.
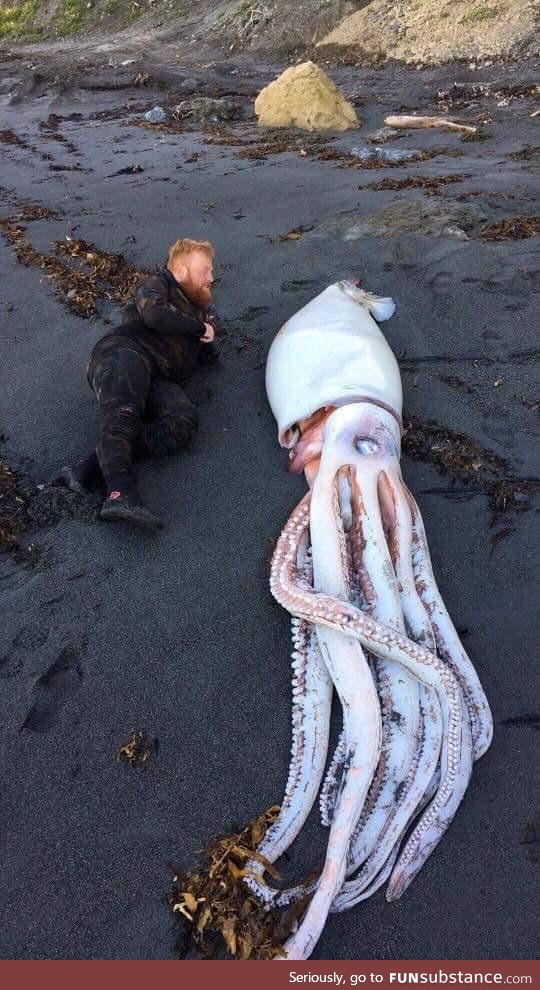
(209,354)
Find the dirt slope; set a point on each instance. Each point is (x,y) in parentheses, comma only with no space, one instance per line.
(436,31)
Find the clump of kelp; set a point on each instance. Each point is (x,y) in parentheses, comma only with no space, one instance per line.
(87,276)
(14,519)
(430,185)
(77,289)
(116,275)
(36,211)
(7,136)
(285,142)
(216,913)
(462,94)
(138,750)
(462,458)
(511,228)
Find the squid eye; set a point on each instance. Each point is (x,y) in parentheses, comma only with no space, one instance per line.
(365,445)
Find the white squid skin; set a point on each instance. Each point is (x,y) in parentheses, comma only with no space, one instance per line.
(352,567)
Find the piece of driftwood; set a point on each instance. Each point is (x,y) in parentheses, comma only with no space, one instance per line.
(403,120)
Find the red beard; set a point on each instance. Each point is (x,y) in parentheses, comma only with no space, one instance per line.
(200,297)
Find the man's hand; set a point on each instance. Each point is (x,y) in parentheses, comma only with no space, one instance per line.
(209,334)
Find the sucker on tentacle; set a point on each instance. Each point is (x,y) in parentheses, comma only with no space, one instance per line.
(332,781)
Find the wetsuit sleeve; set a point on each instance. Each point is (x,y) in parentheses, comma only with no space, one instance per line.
(208,354)
(152,300)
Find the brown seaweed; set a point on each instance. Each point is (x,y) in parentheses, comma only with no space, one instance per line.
(14,519)
(462,94)
(511,228)
(138,750)
(214,908)
(76,289)
(463,459)
(430,184)
(100,274)
(7,136)
(117,275)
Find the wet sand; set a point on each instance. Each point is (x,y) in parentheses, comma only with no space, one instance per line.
(176,634)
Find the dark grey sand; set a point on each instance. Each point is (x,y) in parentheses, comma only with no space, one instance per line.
(177,634)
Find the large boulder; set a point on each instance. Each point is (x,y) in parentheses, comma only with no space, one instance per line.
(303,96)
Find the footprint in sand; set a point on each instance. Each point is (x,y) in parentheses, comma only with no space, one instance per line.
(443,282)
(52,690)
(31,637)
(299,284)
(9,667)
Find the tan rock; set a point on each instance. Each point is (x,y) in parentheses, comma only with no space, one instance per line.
(303,96)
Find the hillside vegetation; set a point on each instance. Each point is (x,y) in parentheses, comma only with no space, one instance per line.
(417,31)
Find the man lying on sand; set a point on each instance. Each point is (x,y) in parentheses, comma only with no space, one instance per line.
(137,371)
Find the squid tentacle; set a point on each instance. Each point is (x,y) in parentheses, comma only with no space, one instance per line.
(347,898)
(297,597)
(354,683)
(410,800)
(399,691)
(398,520)
(456,763)
(312,696)
(449,646)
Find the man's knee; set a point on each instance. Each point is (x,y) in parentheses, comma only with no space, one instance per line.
(169,434)
(178,431)
(119,376)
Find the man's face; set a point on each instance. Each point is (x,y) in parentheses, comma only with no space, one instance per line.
(195,273)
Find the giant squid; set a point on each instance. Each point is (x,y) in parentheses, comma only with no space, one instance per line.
(352,567)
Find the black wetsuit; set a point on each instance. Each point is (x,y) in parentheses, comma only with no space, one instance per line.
(137,371)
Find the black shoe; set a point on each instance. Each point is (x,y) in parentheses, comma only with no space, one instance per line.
(129,509)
